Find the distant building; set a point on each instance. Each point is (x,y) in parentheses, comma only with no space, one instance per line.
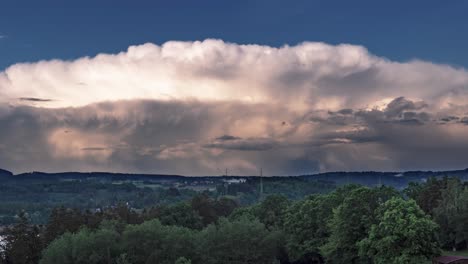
(2,243)
(450,259)
(238,180)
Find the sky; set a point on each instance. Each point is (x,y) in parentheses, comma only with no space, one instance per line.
(195,87)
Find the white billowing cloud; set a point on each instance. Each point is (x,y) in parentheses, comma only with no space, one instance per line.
(309,75)
(195,107)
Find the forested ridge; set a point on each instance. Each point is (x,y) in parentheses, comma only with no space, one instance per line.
(352,224)
(37,193)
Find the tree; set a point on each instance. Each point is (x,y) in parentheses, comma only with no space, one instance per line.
(452,215)
(272,210)
(210,210)
(152,242)
(22,242)
(182,260)
(238,241)
(85,246)
(427,195)
(243,212)
(180,214)
(403,234)
(124,213)
(204,206)
(306,225)
(225,206)
(62,220)
(123,259)
(351,223)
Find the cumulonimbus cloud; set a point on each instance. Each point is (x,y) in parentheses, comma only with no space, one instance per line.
(308,75)
(193,107)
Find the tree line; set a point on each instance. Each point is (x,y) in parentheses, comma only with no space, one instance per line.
(353,224)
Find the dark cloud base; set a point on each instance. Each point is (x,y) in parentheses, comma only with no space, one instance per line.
(199,138)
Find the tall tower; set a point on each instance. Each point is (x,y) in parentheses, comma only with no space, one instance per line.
(261,183)
(227,184)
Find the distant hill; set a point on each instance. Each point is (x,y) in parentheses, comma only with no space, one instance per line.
(368,178)
(395,179)
(96,175)
(5,173)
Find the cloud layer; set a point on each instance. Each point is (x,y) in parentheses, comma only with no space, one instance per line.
(199,107)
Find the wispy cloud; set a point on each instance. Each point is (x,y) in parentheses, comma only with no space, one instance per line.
(94,149)
(33,99)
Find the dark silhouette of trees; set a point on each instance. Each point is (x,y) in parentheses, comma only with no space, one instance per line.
(210,209)
(22,242)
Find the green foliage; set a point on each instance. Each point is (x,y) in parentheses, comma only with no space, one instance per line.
(210,209)
(243,213)
(182,260)
(306,225)
(180,214)
(272,211)
(85,246)
(427,195)
(38,196)
(238,241)
(446,200)
(152,242)
(123,259)
(351,223)
(452,215)
(403,234)
(295,188)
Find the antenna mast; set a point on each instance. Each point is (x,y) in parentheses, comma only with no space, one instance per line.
(261,183)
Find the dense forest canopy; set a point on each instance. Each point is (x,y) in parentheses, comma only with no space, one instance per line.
(350,224)
(38,193)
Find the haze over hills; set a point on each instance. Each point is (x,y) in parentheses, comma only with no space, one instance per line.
(368,178)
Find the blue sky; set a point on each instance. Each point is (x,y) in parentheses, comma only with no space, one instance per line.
(399,30)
